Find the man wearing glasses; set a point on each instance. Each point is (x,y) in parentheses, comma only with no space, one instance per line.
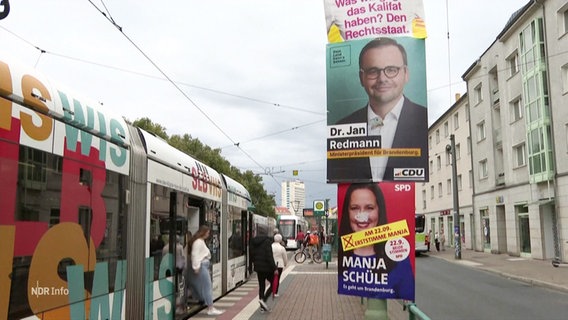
(401,124)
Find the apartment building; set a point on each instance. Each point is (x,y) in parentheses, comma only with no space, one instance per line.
(293,196)
(435,198)
(517,97)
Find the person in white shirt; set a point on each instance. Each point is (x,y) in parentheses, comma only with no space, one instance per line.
(200,263)
(280,258)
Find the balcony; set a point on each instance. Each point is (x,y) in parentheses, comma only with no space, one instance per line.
(498,138)
(500,180)
(495,98)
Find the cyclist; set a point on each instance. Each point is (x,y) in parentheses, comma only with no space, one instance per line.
(310,245)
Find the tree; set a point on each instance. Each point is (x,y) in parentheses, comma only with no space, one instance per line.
(263,202)
(148,125)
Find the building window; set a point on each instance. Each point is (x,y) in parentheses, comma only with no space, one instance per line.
(470,177)
(449,185)
(520,155)
(459,182)
(468,145)
(438,163)
(456,121)
(431,166)
(431,192)
(564,75)
(446,129)
(439,189)
(483,169)
(477,95)
(448,158)
(563,13)
(437,136)
(513,62)
(481,131)
(458,151)
(516,110)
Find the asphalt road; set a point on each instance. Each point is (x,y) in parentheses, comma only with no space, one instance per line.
(446,290)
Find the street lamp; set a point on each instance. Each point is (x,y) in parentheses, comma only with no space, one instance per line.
(457,239)
(295,206)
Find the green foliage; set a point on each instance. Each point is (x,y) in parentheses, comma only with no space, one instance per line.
(263,201)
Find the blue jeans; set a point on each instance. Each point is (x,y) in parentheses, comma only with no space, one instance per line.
(201,284)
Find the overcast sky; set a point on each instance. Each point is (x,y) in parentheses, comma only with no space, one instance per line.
(248,72)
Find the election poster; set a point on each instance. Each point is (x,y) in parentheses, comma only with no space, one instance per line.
(376,256)
(377,123)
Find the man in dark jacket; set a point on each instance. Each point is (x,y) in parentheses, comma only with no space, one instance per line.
(264,265)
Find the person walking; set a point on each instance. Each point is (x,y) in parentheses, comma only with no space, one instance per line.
(437,241)
(300,238)
(263,261)
(428,239)
(442,240)
(200,263)
(280,258)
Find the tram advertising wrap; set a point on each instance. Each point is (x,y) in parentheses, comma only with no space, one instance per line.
(376,228)
(92,211)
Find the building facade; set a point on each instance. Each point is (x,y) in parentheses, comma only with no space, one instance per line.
(435,198)
(293,196)
(517,93)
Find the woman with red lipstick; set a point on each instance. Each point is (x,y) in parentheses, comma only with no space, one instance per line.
(368,271)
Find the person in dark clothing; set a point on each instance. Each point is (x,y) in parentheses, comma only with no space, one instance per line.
(265,267)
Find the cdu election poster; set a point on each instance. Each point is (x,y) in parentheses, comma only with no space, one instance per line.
(376,256)
(377,124)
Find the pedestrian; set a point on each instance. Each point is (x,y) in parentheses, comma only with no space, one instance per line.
(300,238)
(275,232)
(437,241)
(262,259)
(443,240)
(280,258)
(200,263)
(428,237)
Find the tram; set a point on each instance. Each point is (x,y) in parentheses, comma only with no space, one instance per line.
(289,225)
(92,209)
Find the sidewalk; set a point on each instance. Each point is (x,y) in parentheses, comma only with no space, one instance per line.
(309,291)
(536,272)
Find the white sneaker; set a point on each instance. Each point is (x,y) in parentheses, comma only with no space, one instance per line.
(214,312)
(276,295)
(263,304)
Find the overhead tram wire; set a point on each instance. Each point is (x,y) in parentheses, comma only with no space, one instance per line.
(273,134)
(109,18)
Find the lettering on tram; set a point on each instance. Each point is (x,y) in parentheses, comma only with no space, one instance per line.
(74,203)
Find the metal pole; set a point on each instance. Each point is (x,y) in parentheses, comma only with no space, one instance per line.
(457,233)
(326,228)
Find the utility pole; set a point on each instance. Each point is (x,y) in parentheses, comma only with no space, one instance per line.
(457,234)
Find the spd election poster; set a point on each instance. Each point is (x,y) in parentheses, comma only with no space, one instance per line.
(376,256)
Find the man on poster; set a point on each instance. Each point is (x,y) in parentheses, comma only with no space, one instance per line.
(390,122)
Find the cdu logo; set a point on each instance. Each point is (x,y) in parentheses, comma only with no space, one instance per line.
(409,174)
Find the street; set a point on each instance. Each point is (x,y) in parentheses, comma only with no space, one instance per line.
(446,290)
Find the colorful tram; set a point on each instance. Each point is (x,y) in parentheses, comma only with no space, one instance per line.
(90,206)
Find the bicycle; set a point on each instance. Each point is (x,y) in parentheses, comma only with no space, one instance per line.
(302,254)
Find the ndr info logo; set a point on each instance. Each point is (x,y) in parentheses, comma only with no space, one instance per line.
(409,174)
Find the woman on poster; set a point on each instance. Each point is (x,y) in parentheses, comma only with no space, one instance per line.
(369,271)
